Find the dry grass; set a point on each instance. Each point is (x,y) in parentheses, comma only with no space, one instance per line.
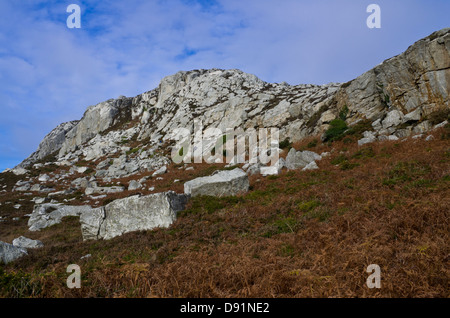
(300,234)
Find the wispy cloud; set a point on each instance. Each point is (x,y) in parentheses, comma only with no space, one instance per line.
(50,74)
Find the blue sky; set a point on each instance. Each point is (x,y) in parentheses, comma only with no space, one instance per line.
(50,74)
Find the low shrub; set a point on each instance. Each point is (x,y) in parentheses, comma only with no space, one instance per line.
(337,130)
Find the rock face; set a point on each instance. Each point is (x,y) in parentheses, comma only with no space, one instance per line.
(51,143)
(397,97)
(9,253)
(96,119)
(223,183)
(134,213)
(414,83)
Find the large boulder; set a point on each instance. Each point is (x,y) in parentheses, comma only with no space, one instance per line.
(121,216)
(48,214)
(9,253)
(223,183)
(135,213)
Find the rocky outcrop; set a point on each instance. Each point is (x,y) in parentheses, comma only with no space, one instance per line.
(50,144)
(223,183)
(407,94)
(405,89)
(96,119)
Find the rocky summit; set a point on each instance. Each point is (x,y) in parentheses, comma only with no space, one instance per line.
(397,98)
(112,173)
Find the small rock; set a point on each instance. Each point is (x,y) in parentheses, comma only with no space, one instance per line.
(311,166)
(19,171)
(160,171)
(134,185)
(43,178)
(300,159)
(81,169)
(441,125)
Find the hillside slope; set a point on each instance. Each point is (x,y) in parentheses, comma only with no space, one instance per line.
(363,178)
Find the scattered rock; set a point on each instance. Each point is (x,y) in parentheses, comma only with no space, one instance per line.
(275,169)
(223,183)
(19,171)
(43,178)
(369,137)
(25,243)
(300,159)
(311,166)
(134,185)
(160,171)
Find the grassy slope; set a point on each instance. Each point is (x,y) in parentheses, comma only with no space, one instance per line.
(300,234)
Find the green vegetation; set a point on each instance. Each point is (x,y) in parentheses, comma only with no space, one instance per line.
(282,225)
(285,144)
(309,205)
(312,144)
(89,171)
(406,172)
(364,153)
(359,128)
(439,116)
(337,130)
(321,214)
(344,113)
(209,204)
(346,165)
(339,159)
(19,285)
(132,151)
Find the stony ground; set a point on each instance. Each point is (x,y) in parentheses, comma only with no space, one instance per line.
(298,234)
